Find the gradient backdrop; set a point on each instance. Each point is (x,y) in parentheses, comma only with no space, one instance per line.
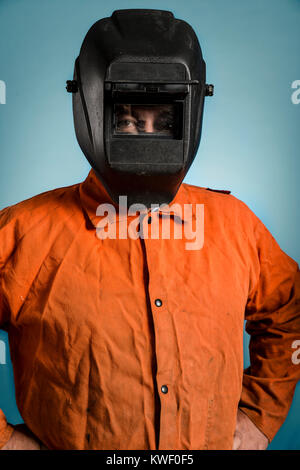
(250,141)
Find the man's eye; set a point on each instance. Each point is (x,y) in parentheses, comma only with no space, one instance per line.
(165,122)
(164,125)
(125,123)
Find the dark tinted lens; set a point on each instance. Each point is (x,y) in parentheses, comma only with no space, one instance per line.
(148,119)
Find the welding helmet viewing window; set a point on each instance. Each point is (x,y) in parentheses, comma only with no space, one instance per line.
(138,95)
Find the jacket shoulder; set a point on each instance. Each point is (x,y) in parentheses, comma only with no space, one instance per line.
(199,189)
(222,201)
(224,191)
(52,204)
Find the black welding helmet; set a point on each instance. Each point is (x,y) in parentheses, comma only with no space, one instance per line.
(138,95)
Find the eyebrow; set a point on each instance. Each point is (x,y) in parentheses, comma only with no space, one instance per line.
(125,114)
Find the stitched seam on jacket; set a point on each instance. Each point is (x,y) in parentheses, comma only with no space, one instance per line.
(208,422)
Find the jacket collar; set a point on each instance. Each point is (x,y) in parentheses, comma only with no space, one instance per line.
(92,194)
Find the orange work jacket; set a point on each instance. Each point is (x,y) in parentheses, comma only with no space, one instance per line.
(138,343)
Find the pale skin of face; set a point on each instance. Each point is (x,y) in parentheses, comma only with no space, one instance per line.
(144,119)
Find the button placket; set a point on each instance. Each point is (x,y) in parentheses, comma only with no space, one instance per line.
(165,347)
(151,225)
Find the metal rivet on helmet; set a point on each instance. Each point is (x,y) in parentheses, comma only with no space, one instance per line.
(72,86)
(209,90)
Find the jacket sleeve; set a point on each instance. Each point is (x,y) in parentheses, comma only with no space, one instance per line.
(6,248)
(273,323)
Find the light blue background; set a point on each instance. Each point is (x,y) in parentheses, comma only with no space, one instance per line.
(250,141)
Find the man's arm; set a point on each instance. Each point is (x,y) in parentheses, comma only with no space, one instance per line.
(22,439)
(273,322)
(11,437)
(6,430)
(247,436)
